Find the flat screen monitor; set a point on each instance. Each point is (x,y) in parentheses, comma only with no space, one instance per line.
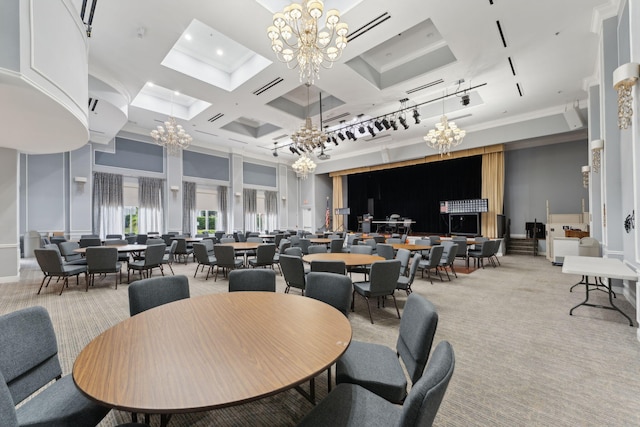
(465,224)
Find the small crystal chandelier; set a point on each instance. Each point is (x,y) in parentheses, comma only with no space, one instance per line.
(585,176)
(309,136)
(624,77)
(304,166)
(444,136)
(174,138)
(597,145)
(299,41)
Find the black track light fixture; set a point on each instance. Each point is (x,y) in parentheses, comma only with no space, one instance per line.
(386,124)
(378,125)
(393,124)
(403,122)
(370,129)
(416,116)
(341,136)
(361,129)
(334,140)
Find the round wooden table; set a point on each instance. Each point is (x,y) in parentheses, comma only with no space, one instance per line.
(211,351)
(243,246)
(350,260)
(121,248)
(320,240)
(410,246)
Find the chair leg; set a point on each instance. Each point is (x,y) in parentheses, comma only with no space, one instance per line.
(329,379)
(369,308)
(396,304)
(453,270)
(42,283)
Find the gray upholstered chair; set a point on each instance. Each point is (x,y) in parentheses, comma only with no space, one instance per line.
(448,257)
(141,239)
(122,256)
(385,251)
(51,265)
(182,251)
(169,256)
(462,246)
(283,246)
(335,246)
(369,242)
(293,272)
(392,240)
(225,260)
(317,249)
(293,251)
(383,279)
(254,279)
(333,289)
(28,362)
(113,236)
(482,250)
(351,405)
(403,256)
(304,245)
(149,293)
(432,263)
(227,240)
(364,269)
(202,257)
(377,367)
(67,250)
(329,266)
(295,240)
(153,256)
(85,242)
(264,255)
(102,260)
(405,282)
(496,248)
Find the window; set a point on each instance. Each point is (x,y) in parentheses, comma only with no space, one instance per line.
(207,209)
(130,220)
(206,221)
(130,201)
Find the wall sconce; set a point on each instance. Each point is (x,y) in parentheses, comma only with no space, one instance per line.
(624,77)
(585,176)
(174,188)
(284,198)
(80,179)
(597,145)
(238,194)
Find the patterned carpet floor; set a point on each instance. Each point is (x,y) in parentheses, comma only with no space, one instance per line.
(521,360)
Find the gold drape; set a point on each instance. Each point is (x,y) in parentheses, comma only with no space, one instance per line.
(338,220)
(492,189)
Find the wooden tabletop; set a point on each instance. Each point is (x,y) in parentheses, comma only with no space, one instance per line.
(410,246)
(349,259)
(121,248)
(320,240)
(243,246)
(211,351)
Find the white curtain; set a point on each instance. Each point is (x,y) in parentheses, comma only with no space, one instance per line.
(189,213)
(150,197)
(271,208)
(223,208)
(250,203)
(107,204)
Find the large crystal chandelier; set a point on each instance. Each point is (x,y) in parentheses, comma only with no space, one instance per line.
(308,137)
(304,166)
(172,136)
(299,41)
(445,135)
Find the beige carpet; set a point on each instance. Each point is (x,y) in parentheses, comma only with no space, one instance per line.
(521,359)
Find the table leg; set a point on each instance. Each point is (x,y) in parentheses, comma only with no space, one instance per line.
(611,307)
(164,419)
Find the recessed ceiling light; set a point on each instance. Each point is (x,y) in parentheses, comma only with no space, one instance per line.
(176,93)
(150,84)
(220,52)
(188,37)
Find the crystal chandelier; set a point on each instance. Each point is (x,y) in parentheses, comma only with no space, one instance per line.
(172,136)
(624,78)
(597,145)
(585,175)
(299,41)
(304,166)
(444,136)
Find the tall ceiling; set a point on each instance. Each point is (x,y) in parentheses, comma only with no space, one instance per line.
(517,60)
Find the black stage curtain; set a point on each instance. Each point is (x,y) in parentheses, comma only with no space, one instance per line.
(415,192)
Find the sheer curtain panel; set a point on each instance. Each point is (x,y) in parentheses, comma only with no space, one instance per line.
(107,204)
(150,197)
(271,208)
(250,202)
(189,212)
(223,207)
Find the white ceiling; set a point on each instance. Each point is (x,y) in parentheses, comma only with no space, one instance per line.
(550,43)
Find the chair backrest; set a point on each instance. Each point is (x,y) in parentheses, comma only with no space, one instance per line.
(227,240)
(182,245)
(119,242)
(369,242)
(294,251)
(392,240)
(254,239)
(277,239)
(336,245)
(89,241)
(379,239)
(153,254)
(101,259)
(49,260)
(201,254)
(28,351)
(265,253)
(361,249)
(435,255)
(404,237)
(141,239)
(67,251)
(383,277)
(384,250)
(293,271)
(284,244)
(131,239)
(220,234)
(449,252)
(403,256)
(7,407)
(435,240)
(149,293)
(317,249)
(337,267)
(462,245)
(487,248)
(422,403)
(334,289)
(415,262)
(253,279)
(417,329)
(89,236)
(113,236)
(225,255)
(241,236)
(172,251)
(208,243)
(304,245)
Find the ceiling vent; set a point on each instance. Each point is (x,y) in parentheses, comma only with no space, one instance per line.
(93,103)
(519,89)
(206,133)
(238,141)
(339,116)
(268,86)
(214,118)
(284,135)
(425,86)
(368,26)
(504,41)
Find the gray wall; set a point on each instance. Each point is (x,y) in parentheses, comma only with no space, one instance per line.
(535,175)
